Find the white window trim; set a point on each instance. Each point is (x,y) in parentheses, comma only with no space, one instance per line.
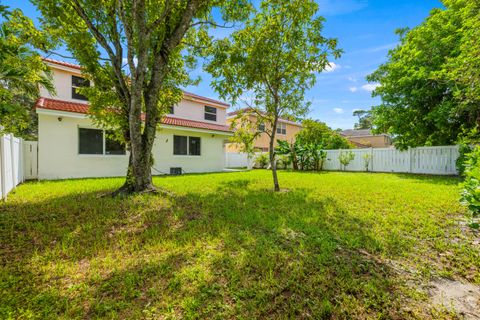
(104,149)
(76,87)
(205,112)
(281,125)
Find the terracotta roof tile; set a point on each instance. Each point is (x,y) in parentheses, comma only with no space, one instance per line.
(76,107)
(63,63)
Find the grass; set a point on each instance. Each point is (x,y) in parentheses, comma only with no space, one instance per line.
(339,245)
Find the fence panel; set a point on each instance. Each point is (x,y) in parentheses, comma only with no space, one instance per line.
(424,160)
(13,161)
(236,159)
(30,156)
(435,160)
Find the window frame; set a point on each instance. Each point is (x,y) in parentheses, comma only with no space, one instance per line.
(188,151)
(209,113)
(281,128)
(74,87)
(104,147)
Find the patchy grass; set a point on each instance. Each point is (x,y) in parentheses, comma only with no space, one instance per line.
(341,245)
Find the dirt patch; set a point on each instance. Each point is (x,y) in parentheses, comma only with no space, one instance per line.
(463,298)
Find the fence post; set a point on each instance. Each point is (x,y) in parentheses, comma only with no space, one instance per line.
(12,157)
(410,160)
(371,156)
(3,185)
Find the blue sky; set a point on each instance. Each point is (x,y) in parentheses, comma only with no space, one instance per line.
(365,30)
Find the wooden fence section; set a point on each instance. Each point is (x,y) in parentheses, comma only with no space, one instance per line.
(423,160)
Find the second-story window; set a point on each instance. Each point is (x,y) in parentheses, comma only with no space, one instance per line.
(79,82)
(281,128)
(171,110)
(261,127)
(210,113)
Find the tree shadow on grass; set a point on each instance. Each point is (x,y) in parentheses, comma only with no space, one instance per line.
(430,179)
(235,252)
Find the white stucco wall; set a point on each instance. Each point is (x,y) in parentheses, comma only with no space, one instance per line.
(58,156)
(62,79)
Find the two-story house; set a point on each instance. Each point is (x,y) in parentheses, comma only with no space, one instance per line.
(190,139)
(364,138)
(286,130)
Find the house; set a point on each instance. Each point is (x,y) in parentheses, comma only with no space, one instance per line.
(364,138)
(286,130)
(190,139)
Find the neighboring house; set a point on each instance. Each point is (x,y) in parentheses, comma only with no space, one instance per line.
(364,138)
(286,130)
(191,139)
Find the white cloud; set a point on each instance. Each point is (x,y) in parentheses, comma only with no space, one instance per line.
(353,89)
(370,86)
(332,66)
(338,110)
(352,79)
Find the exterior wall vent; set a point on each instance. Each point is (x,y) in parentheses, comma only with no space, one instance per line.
(176,171)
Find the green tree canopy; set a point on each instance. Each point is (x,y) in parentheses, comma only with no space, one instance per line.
(318,133)
(430,84)
(136,54)
(22,72)
(274,60)
(364,119)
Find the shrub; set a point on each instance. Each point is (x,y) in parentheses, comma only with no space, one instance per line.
(345,157)
(463,151)
(284,161)
(367,158)
(471,187)
(262,160)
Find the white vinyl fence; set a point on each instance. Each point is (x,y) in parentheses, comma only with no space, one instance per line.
(423,160)
(18,161)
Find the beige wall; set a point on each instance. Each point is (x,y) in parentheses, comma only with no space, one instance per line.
(380,141)
(193,110)
(58,156)
(263,141)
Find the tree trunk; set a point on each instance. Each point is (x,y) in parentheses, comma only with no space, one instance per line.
(294,158)
(273,163)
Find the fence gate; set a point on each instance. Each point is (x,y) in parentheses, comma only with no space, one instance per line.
(30,152)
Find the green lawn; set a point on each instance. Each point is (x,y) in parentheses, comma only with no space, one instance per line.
(223,246)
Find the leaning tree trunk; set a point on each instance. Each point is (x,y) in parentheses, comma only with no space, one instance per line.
(273,163)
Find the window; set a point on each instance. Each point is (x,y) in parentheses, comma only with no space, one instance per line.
(281,128)
(90,141)
(194,146)
(183,145)
(180,145)
(113,146)
(171,110)
(210,113)
(261,127)
(79,82)
(95,141)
